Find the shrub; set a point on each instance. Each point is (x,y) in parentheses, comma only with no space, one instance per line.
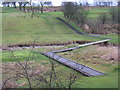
(103,17)
(114,11)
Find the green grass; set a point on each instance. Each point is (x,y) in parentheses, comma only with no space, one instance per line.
(110,80)
(47,29)
(95,12)
(106,81)
(21,55)
(73,24)
(84,56)
(17,29)
(114,38)
(9,10)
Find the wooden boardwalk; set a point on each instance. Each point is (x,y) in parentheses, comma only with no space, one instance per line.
(77,31)
(74,65)
(79,46)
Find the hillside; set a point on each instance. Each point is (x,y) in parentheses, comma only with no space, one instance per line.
(19,27)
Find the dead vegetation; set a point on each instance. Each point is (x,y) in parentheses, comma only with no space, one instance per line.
(111,53)
(54,44)
(15,72)
(97,28)
(57,43)
(36,74)
(94,55)
(39,74)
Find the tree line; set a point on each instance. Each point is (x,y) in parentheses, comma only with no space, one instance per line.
(22,5)
(75,11)
(79,14)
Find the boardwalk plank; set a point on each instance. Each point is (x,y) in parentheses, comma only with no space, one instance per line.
(74,65)
(79,46)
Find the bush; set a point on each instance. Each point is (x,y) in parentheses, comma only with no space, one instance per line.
(103,18)
(74,12)
(94,25)
(114,11)
(81,15)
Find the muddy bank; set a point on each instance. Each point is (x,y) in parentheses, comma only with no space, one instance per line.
(38,45)
(55,44)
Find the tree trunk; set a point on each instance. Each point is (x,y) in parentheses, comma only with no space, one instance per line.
(20,5)
(42,9)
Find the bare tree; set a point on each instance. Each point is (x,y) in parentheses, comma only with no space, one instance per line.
(49,79)
(31,8)
(42,3)
(118,3)
(6,4)
(22,4)
(69,9)
(103,17)
(118,15)
(114,13)
(74,11)
(14,4)
(25,68)
(81,15)
(48,3)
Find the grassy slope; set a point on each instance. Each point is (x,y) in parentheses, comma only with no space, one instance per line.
(46,28)
(17,29)
(95,12)
(25,30)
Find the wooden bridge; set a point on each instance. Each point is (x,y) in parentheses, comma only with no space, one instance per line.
(72,64)
(79,46)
